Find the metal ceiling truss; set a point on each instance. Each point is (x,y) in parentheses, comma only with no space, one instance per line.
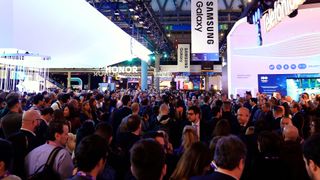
(136,17)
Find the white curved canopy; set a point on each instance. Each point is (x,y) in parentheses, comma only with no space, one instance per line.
(72,32)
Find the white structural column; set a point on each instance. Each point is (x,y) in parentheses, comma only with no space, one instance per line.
(206,82)
(69,80)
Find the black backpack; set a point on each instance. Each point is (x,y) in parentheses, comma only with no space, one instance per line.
(48,173)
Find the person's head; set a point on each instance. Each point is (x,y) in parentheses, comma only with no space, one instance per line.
(285,121)
(74,103)
(294,107)
(135,108)
(58,132)
(92,103)
(58,115)
(253,101)
(91,154)
(290,133)
(216,112)
(134,124)
(277,95)
(104,130)
(195,161)
(86,106)
(66,112)
(278,111)
(13,103)
(314,125)
(222,128)
(147,159)
(47,114)
(243,115)
(189,136)
(269,143)
(38,100)
(305,96)
(226,106)
(230,154)
(206,99)
(31,119)
(126,100)
(311,156)
(164,109)
(63,98)
(6,155)
(248,95)
(47,101)
(265,107)
(194,114)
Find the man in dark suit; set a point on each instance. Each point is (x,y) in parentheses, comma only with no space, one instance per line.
(118,115)
(297,117)
(243,116)
(42,129)
(227,114)
(126,140)
(25,140)
(255,111)
(11,122)
(200,126)
(206,110)
(227,167)
(278,113)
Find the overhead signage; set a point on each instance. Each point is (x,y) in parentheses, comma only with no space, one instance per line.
(282,8)
(183,58)
(204,29)
(116,70)
(121,69)
(163,74)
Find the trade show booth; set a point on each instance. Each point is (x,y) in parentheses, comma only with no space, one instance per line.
(73,33)
(288,61)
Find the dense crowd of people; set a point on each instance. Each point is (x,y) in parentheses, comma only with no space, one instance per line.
(148,135)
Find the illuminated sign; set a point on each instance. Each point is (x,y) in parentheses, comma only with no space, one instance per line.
(282,8)
(204,27)
(163,74)
(183,58)
(116,70)
(121,69)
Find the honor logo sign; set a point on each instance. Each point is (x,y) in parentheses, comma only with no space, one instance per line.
(282,8)
(117,70)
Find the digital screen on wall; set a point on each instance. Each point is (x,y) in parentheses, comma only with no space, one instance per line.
(205,57)
(196,82)
(289,84)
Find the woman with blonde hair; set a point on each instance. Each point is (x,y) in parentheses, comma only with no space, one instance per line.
(195,161)
(189,136)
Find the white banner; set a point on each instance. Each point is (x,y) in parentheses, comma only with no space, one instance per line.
(204,25)
(183,58)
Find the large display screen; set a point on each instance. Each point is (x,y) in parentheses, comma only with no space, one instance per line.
(289,84)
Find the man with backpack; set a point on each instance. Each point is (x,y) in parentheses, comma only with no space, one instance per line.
(57,137)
